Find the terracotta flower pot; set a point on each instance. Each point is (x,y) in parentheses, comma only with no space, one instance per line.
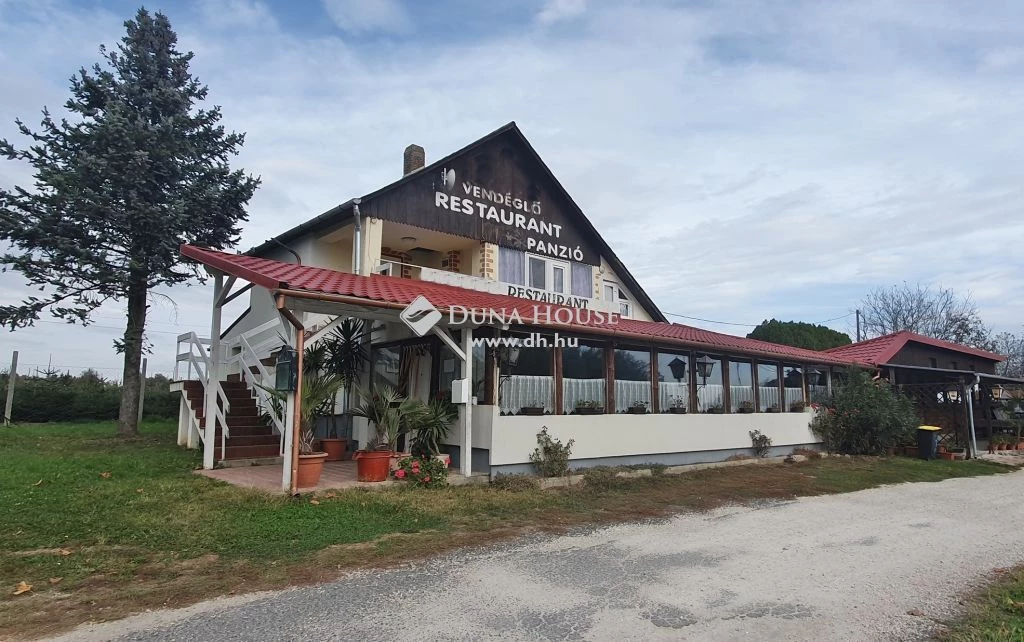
(310,467)
(335,448)
(372,465)
(946,455)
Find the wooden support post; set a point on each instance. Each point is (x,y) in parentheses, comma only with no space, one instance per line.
(466,447)
(655,393)
(609,380)
(12,378)
(559,391)
(212,377)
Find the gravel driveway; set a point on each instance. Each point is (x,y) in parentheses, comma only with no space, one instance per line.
(842,567)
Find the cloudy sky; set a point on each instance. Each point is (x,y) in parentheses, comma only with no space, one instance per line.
(746,159)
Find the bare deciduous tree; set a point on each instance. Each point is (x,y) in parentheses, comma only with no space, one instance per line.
(1012,347)
(932,311)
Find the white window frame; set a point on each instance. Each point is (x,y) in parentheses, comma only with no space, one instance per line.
(549,273)
(618,295)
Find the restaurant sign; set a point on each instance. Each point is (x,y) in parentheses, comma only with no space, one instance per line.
(494,195)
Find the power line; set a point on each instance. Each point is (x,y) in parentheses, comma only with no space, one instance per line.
(747,325)
(683,316)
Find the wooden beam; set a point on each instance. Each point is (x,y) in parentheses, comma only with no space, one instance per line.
(655,396)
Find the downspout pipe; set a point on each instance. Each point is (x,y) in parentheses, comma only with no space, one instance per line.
(357,244)
(970,414)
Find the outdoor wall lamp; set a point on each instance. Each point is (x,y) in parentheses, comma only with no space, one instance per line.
(678,368)
(813,377)
(705,367)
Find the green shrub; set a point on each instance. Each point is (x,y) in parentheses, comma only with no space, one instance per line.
(551,457)
(864,417)
(602,478)
(514,483)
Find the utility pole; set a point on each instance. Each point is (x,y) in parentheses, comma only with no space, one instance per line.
(12,376)
(858,325)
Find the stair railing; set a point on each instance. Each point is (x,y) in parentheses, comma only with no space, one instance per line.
(197,359)
(248,351)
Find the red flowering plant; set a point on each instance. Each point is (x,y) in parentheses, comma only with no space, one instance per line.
(426,472)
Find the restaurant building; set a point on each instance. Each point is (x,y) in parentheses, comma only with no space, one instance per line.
(493,243)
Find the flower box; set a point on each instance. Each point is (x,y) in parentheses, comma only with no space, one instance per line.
(532,411)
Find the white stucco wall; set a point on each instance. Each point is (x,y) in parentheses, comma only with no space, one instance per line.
(514,438)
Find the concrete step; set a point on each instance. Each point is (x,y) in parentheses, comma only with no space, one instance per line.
(248,452)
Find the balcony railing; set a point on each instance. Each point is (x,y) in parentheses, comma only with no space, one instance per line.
(481,284)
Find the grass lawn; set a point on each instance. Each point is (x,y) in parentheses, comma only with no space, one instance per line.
(997,613)
(102,527)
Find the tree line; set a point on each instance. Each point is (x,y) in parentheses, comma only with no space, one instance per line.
(86,397)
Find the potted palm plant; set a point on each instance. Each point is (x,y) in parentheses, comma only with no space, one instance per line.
(429,427)
(345,356)
(318,388)
(390,414)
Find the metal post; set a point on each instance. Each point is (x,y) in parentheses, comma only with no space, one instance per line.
(142,388)
(212,377)
(858,325)
(973,441)
(12,376)
(466,448)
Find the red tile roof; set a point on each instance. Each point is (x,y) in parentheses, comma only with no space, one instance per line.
(277,275)
(880,350)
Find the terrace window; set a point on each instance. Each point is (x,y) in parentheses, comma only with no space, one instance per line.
(583,377)
(793,382)
(632,379)
(526,381)
(769,387)
(710,392)
(741,386)
(673,381)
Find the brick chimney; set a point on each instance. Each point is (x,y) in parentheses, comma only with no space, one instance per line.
(415,158)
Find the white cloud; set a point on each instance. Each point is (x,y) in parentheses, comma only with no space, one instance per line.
(356,16)
(745,161)
(237,13)
(558,10)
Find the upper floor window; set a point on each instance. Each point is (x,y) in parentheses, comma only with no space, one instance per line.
(612,292)
(547,274)
(542,273)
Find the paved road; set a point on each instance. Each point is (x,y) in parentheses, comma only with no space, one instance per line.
(845,567)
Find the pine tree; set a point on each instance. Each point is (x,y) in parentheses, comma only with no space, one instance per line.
(137,168)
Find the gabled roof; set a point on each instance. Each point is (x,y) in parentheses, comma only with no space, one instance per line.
(388,291)
(881,350)
(342,213)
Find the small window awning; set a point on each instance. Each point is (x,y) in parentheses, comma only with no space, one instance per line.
(310,283)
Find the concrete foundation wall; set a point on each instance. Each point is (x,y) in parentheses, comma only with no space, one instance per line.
(605,436)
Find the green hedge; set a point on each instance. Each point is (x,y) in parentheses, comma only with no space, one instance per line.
(87,397)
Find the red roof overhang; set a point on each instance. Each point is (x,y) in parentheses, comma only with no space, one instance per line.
(304,281)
